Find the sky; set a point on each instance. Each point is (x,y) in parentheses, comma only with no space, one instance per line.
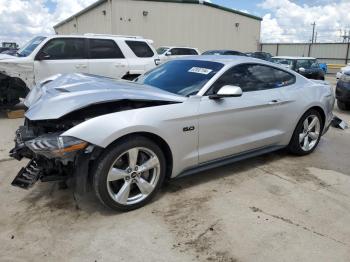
(283,20)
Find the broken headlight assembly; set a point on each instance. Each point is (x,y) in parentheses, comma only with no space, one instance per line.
(56,146)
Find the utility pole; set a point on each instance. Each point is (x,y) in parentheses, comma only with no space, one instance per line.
(316,37)
(313,32)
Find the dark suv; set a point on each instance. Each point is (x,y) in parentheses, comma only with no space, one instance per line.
(342,91)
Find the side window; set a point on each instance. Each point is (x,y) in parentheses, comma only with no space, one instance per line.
(140,48)
(104,48)
(253,77)
(183,51)
(65,48)
(189,51)
(176,51)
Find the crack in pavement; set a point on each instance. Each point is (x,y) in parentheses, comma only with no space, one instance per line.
(210,228)
(287,220)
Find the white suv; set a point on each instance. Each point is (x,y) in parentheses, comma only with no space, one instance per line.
(106,55)
(167,53)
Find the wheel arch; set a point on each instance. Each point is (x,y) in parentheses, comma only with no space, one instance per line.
(321,111)
(159,141)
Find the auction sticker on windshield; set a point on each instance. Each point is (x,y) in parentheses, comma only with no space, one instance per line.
(200,70)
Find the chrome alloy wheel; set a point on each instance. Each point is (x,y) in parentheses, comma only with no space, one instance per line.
(133,176)
(310,133)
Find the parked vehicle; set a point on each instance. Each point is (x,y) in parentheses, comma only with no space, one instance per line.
(223,52)
(8,46)
(306,66)
(342,91)
(107,55)
(342,70)
(187,115)
(260,55)
(167,53)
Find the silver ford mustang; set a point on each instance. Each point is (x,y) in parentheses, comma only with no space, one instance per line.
(188,115)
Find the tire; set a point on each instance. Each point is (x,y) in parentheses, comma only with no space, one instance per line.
(306,138)
(342,105)
(130,185)
(130,77)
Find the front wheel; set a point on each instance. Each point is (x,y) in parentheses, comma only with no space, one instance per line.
(129,174)
(307,134)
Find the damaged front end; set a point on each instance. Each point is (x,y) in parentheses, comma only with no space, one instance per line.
(52,157)
(65,102)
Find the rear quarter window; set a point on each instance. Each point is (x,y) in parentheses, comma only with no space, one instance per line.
(140,48)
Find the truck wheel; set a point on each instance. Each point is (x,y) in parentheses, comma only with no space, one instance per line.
(129,174)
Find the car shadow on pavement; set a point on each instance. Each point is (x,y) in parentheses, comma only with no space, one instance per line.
(47,197)
(229,170)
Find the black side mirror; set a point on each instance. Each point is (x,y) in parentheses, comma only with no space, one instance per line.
(42,56)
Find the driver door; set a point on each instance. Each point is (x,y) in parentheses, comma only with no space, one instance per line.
(60,56)
(233,125)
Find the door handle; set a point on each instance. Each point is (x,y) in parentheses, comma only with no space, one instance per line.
(83,66)
(275,102)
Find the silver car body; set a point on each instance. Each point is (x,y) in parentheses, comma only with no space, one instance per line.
(198,130)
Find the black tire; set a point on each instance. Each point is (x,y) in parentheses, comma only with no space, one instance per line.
(342,105)
(130,77)
(294,146)
(106,160)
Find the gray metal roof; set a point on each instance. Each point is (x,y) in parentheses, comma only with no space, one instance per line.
(201,2)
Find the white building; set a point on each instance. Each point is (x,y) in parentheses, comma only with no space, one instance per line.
(194,23)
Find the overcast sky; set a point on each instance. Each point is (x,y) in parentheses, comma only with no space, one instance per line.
(283,20)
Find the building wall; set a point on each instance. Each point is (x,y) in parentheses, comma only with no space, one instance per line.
(169,23)
(93,21)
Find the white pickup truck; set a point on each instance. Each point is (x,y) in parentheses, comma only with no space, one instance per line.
(112,56)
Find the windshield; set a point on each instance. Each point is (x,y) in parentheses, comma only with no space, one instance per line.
(29,47)
(307,63)
(213,52)
(162,50)
(181,77)
(282,61)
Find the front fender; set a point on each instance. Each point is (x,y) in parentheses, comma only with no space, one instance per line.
(168,122)
(104,130)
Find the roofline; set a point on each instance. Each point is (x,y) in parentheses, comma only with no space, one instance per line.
(201,2)
(86,9)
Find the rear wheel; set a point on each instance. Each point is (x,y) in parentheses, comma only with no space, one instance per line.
(307,134)
(128,175)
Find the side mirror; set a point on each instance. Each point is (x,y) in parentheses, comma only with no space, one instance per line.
(42,56)
(227,91)
(168,53)
(301,69)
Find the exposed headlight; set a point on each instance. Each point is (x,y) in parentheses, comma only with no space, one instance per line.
(345,77)
(56,146)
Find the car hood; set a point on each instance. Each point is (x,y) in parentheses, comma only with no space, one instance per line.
(6,56)
(14,66)
(67,93)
